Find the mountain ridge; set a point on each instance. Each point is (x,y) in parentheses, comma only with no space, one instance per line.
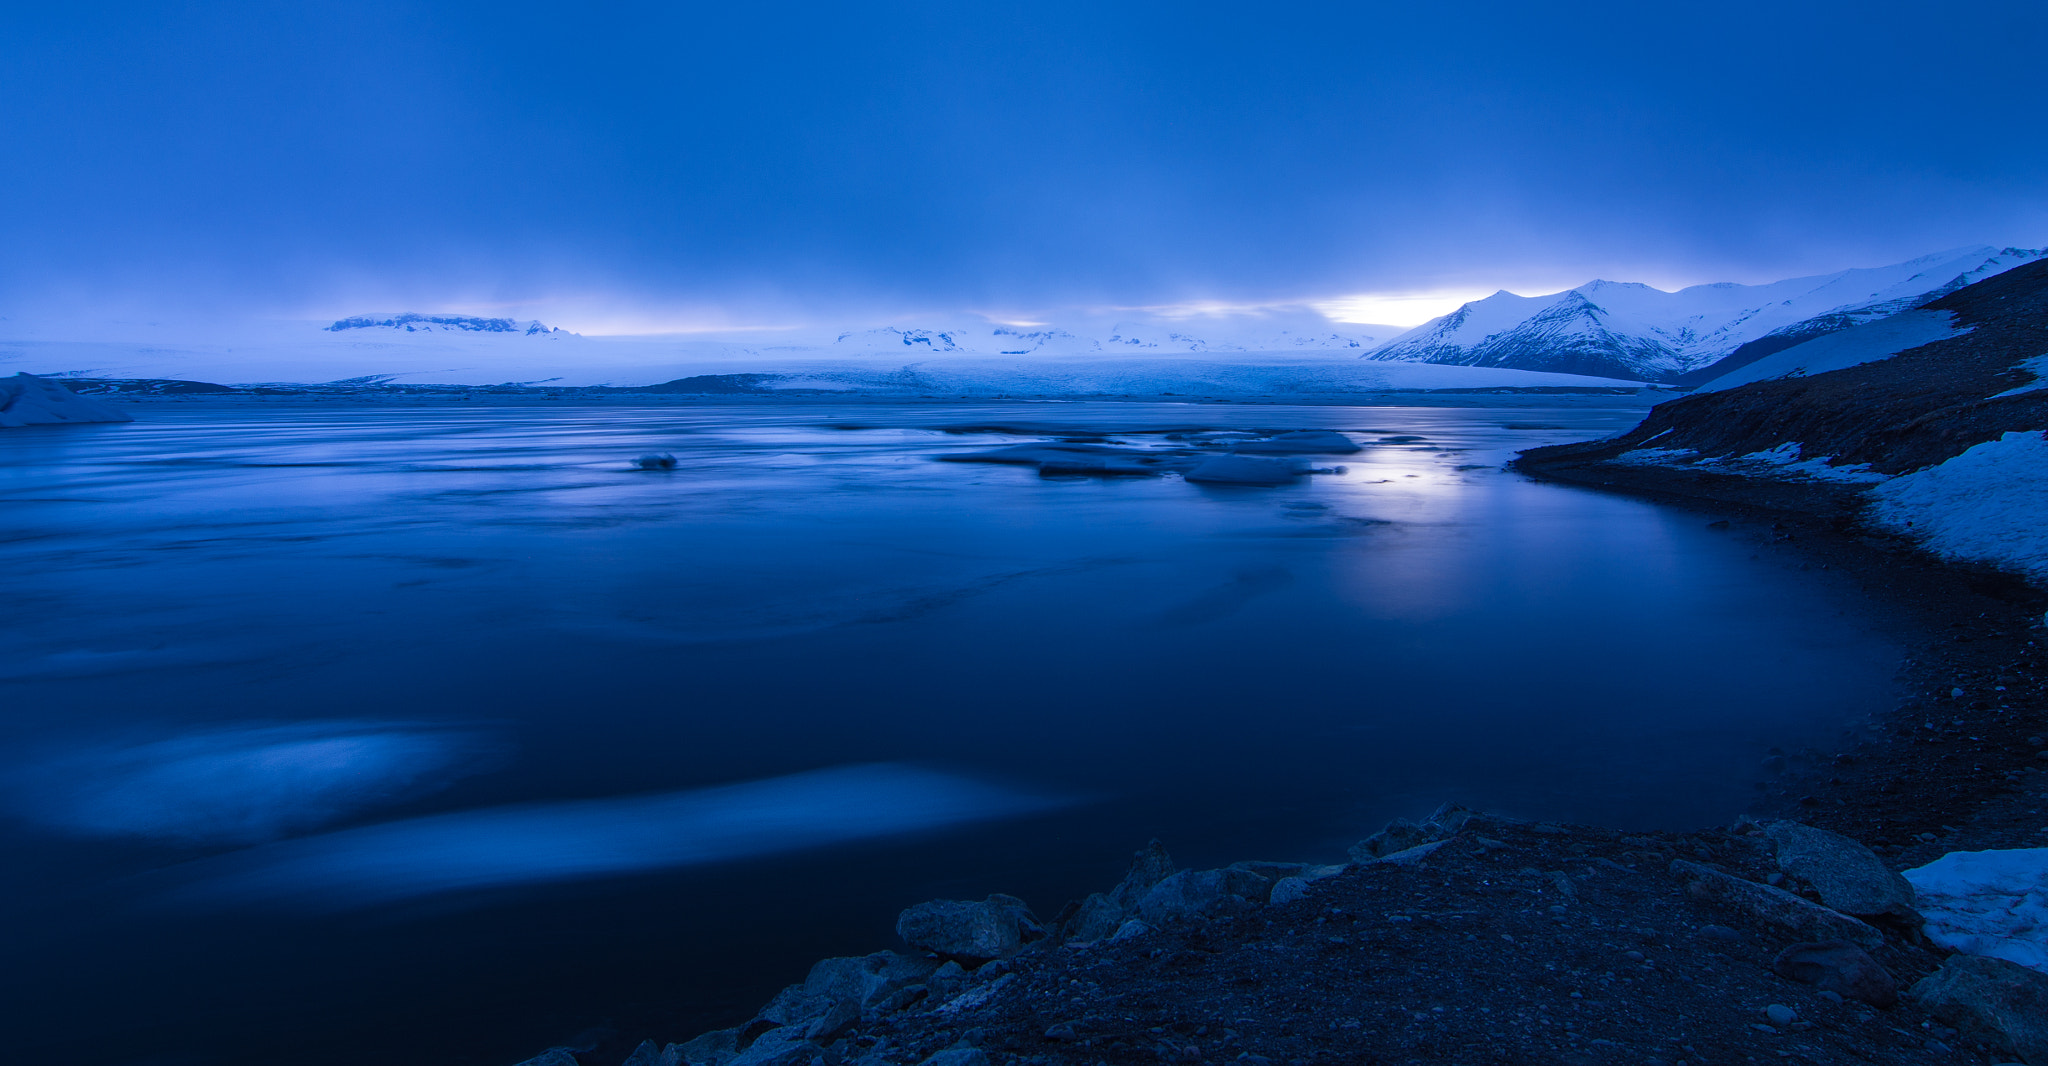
(1628,329)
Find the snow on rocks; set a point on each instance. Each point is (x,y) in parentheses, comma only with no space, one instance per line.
(1855,346)
(1990,903)
(1982,506)
(27,400)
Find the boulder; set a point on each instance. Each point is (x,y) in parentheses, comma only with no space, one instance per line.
(838,991)
(783,1046)
(1840,967)
(1096,918)
(1149,866)
(1194,890)
(1288,890)
(1775,905)
(1188,890)
(1849,877)
(995,928)
(2001,1003)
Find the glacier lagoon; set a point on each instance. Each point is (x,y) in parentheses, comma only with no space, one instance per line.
(442,734)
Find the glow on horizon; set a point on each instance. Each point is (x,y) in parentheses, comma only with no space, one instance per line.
(1395,308)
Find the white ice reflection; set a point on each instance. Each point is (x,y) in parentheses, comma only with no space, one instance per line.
(536,843)
(239,786)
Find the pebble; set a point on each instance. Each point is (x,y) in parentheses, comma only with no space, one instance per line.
(1780,1014)
(1762,1028)
(1831,996)
(1632,956)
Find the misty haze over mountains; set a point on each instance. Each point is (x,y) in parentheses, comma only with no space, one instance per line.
(1603,329)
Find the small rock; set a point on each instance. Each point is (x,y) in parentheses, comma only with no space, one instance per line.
(2000,1003)
(1832,996)
(1762,1028)
(1720,934)
(647,1054)
(1780,1014)
(1063,1032)
(1840,967)
(1131,930)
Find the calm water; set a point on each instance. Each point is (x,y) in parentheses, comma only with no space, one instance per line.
(439,736)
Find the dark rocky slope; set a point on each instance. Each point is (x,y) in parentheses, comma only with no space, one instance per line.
(1913,410)
(1463,939)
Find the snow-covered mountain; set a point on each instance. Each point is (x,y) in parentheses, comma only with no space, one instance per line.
(1630,330)
(417,323)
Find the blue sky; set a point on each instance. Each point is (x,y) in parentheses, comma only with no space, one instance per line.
(677,164)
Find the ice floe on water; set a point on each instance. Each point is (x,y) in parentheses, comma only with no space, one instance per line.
(1215,456)
(1991,903)
(549,842)
(240,785)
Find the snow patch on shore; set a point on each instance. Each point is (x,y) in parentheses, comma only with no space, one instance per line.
(1984,505)
(1992,903)
(2037,366)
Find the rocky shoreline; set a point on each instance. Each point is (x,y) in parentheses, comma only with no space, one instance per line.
(1464,938)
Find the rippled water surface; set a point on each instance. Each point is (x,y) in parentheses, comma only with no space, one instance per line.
(342,734)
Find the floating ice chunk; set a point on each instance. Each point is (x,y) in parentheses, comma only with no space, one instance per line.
(1246,470)
(652,461)
(240,786)
(547,842)
(1301,442)
(27,400)
(1991,903)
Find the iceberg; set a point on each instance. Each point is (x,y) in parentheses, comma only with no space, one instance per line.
(27,400)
